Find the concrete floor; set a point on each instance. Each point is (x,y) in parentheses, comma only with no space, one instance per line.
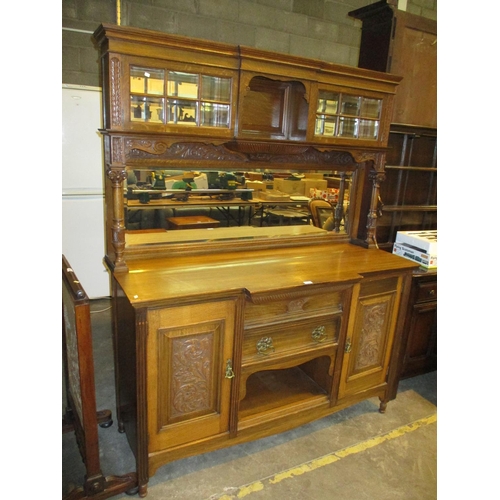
(354,454)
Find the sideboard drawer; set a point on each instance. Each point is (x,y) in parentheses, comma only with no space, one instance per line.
(277,341)
(427,291)
(276,309)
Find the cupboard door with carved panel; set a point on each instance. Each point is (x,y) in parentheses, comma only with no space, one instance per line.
(190,350)
(370,335)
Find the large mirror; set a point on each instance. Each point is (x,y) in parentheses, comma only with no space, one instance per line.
(159,201)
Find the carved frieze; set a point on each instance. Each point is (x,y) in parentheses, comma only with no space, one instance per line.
(157,151)
(137,149)
(256,148)
(309,156)
(363,156)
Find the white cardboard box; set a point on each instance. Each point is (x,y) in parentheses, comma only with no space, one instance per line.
(410,252)
(426,241)
(309,184)
(273,195)
(290,187)
(256,185)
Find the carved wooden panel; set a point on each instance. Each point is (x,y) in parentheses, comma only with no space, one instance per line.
(189,360)
(372,334)
(115,85)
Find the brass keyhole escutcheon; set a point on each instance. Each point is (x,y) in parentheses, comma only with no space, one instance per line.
(264,345)
(318,334)
(229,369)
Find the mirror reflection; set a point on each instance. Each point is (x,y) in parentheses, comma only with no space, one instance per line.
(158,200)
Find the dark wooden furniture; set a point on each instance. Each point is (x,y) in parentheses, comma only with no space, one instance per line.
(409,191)
(81,414)
(402,44)
(232,334)
(420,330)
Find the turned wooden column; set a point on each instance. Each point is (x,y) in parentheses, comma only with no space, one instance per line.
(376,177)
(117,174)
(339,209)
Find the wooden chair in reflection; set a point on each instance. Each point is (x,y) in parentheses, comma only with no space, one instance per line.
(81,415)
(321,212)
(327,216)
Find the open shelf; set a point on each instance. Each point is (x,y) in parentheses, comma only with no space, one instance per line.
(275,391)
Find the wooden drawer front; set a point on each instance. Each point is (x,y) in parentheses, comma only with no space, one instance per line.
(293,306)
(427,291)
(378,286)
(277,341)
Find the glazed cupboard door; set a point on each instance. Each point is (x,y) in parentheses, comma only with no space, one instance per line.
(370,335)
(189,358)
(186,99)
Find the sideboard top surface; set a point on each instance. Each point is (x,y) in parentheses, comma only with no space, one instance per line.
(255,272)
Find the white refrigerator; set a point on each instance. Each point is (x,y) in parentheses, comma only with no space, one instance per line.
(83,233)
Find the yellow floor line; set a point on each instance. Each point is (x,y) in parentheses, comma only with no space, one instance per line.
(330,458)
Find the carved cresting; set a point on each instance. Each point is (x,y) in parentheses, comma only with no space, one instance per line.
(372,336)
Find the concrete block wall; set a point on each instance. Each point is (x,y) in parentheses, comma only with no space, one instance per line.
(319,29)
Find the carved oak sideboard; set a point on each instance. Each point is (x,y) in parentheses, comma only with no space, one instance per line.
(226,335)
(216,350)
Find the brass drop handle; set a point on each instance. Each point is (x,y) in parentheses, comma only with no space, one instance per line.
(432,293)
(265,344)
(318,334)
(348,346)
(229,369)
